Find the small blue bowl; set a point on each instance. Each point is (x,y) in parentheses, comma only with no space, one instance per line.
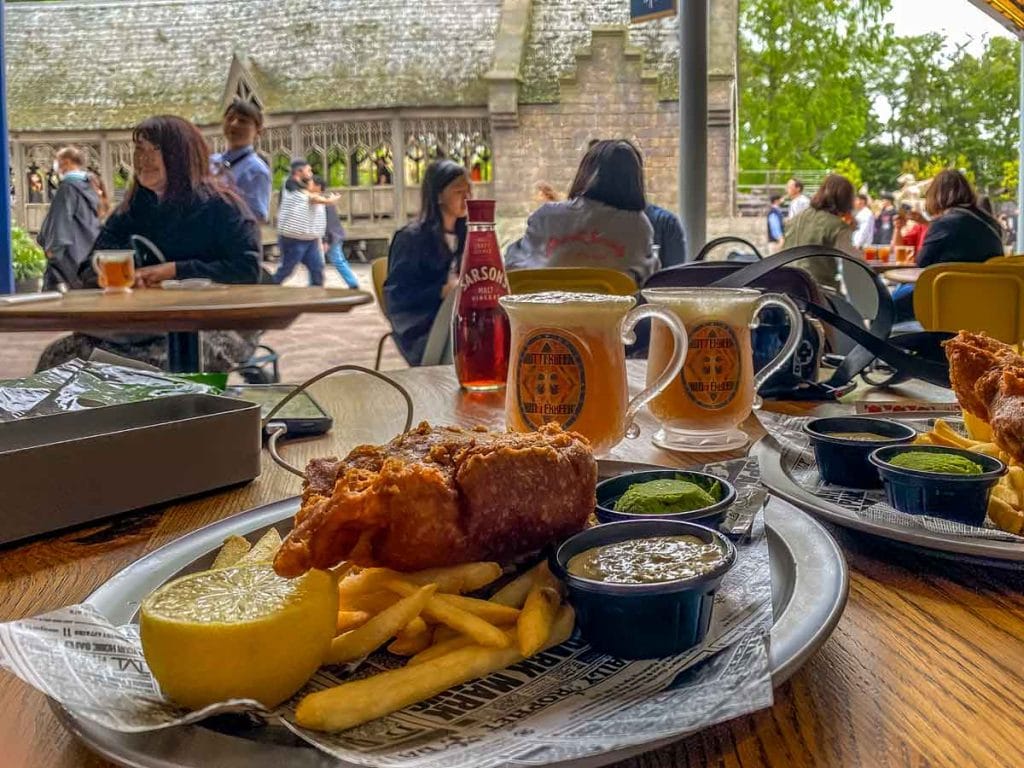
(609,491)
(641,621)
(962,498)
(844,462)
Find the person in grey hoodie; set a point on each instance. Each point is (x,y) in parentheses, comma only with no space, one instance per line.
(602,224)
(72,223)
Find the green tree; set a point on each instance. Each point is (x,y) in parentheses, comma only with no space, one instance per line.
(848,168)
(806,69)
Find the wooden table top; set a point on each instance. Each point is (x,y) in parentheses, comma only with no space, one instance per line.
(926,666)
(228,307)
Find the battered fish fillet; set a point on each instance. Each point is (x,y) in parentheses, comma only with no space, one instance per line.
(988,379)
(438,496)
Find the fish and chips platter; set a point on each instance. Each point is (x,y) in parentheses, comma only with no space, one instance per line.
(815,463)
(378,651)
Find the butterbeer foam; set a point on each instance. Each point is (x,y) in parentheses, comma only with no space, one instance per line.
(571,308)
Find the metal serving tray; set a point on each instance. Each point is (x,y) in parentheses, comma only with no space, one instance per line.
(809,589)
(74,467)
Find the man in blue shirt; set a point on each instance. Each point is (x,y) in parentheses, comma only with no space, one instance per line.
(243,121)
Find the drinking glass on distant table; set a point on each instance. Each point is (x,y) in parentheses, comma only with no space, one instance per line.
(115,270)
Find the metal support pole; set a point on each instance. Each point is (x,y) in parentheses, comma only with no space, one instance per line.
(1020,158)
(6,251)
(693,122)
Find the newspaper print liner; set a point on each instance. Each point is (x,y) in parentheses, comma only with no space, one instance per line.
(799,464)
(568,702)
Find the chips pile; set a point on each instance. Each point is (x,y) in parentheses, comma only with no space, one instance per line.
(448,637)
(1006,504)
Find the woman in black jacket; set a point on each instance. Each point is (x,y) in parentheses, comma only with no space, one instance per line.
(424,258)
(202,228)
(960,230)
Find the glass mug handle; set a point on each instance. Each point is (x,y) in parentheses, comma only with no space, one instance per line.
(792,341)
(675,363)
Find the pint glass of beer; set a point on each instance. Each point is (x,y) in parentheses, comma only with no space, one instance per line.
(568,365)
(115,270)
(702,408)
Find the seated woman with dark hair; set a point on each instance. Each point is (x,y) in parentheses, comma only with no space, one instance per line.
(202,228)
(602,224)
(828,222)
(960,230)
(424,258)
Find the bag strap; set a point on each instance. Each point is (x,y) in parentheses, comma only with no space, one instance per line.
(872,343)
(712,244)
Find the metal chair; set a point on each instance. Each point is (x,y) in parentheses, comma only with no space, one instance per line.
(379,273)
(255,369)
(577,279)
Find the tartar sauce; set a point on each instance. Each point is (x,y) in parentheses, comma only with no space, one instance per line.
(647,561)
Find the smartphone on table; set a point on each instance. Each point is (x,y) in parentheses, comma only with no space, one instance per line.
(303,416)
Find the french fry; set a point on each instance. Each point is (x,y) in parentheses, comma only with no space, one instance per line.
(485,609)
(1006,517)
(371,602)
(943,429)
(363,641)
(514,593)
(1003,491)
(443,612)
(1016,477)
(976,428)
(357,702)
(351,620)
(453,643)
(443,633)
(231,552)
(411,639)
(989,449)
(456,579)
(263,551)
(534,625)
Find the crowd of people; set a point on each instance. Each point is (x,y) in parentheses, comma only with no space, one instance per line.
(954,224)
(200,216)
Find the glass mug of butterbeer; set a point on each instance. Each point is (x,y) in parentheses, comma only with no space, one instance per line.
(568,365)
(115,270)
(702,408)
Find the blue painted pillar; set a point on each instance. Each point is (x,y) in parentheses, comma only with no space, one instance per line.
(6,267)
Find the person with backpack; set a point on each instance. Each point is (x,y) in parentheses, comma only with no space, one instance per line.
(72,223)
(301,225)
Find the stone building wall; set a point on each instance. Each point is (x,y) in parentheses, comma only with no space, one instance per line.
(610,95)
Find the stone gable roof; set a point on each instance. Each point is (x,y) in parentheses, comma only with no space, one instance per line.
(107,64)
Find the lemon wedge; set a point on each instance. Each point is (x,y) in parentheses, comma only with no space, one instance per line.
(238,632)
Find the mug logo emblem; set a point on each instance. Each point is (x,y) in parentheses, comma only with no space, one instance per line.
(551,383)
(713,369)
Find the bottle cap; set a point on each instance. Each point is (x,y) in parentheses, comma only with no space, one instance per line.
(481,210)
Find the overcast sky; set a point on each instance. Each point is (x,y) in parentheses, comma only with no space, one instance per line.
(957,19)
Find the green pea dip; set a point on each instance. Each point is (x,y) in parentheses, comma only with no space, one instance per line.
(944,463)
(667,497)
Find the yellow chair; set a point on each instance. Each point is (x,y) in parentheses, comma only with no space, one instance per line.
(985,297)
(577,279)
(379,273)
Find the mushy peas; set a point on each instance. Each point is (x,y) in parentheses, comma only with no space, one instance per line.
(944,463)
(667,497)
(648,561)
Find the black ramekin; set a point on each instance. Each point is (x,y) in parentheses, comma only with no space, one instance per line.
(609,491)
(845,462)
(963,498)
(642,621)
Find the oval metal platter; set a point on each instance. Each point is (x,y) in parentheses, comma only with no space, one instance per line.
(809,589)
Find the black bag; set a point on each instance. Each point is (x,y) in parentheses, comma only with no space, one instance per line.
(912,355)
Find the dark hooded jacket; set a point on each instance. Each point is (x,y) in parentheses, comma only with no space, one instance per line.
(69,230)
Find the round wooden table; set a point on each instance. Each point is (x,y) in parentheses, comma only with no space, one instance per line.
(926,666)
(181,314)
(904,275)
